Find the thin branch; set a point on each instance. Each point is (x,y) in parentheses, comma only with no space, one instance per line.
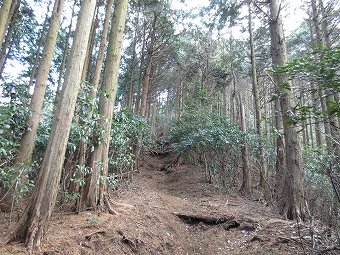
(261,10)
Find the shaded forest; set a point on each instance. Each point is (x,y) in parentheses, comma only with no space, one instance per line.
(94,94)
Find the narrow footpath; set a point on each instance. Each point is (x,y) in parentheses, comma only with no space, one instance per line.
(173,211)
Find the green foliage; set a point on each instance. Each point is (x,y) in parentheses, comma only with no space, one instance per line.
(12,117)
(127,130)
(208,136)
(16,180)
(79,174)
(198,128)
(321,67)
(200,131)
(83,127)
(319,166)
(92,219)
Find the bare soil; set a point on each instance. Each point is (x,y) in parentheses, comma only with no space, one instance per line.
(171,212)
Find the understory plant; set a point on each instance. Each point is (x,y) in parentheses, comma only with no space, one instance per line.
(210,140)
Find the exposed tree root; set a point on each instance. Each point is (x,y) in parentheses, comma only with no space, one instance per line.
(109,207)
(116,208)
(228,222)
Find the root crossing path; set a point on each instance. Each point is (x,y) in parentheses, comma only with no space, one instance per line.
(172,211)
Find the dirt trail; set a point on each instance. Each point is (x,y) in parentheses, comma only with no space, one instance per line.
(171,212)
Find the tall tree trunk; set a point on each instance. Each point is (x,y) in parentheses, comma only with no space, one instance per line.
(326,99)
(4,18)
(142,58)
(324,25)
(95,194)
(292,203)
(32,225)
(39,46)
(179,95)
(148,71)
(82,147)
(28,139)
(263,165)
(6,48)
(131,88)
(65,54)
(8,43)
(246,180)
(90,45)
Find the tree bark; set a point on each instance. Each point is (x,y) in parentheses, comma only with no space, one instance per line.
(131,88)
(32,225)
(148,70)
(65,54)
(331,123)
(39,46)
(263,165)
(140,75)
(83,146)
(90,45)
(8,43)
(4,18)
(5,48)
(97,186)
(292,202)
(246,181)
(28,139)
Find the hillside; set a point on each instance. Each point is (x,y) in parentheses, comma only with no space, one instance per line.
(173,212)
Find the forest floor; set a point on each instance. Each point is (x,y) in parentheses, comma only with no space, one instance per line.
(171,212)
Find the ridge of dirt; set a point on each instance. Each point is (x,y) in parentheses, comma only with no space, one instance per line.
(171,212)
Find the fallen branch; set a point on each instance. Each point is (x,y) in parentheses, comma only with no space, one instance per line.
(100,232)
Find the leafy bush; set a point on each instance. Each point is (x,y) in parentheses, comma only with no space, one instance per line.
(319,166)
(128,129)
(323,71)
(208,139)
(13,123)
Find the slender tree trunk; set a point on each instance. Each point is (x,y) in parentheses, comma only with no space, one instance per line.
(142,58)
(5,48)
(102,46)
(131,87)
(246,181)
(38,52)
(326,99)
(32,225)
(324,25)
(65,55)
(95,194)
(88,59)
(8,43)
(28,139)
(180,96)
(148,71)
(263,165)
(292,201)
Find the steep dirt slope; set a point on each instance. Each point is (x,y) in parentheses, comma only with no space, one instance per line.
(172,212)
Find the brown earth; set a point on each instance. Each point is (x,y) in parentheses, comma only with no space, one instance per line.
(172,212)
